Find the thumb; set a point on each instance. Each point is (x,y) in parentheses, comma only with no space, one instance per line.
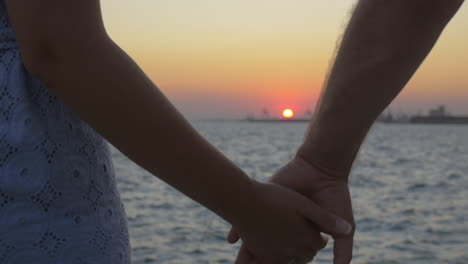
(326,221)
(233,237)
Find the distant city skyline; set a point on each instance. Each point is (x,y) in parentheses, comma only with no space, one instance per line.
(225,59)
(309,112)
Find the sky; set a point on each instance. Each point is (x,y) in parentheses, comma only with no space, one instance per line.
(230,59)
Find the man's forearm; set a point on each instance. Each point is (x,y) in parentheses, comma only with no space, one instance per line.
(383,46)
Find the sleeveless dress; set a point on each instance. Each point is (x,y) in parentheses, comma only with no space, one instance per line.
(58,198)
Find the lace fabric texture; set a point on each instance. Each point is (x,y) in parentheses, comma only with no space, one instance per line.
(58,197)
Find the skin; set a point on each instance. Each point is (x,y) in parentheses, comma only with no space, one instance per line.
(382,47)
(325,190)
(65,45)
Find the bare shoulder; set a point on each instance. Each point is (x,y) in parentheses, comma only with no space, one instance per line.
(54,24)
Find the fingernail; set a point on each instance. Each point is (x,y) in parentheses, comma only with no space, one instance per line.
(343,227)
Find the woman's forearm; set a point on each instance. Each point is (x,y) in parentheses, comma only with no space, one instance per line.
(383,46)
(107,89)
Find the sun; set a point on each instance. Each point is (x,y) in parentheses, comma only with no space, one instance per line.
(288,113)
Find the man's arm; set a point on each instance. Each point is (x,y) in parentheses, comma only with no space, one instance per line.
(383,46)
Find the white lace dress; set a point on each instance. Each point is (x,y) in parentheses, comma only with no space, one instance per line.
(58,197)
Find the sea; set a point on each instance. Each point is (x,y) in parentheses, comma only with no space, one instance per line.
(409,188)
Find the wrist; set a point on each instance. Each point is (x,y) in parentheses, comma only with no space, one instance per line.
(331,146)
(238,210)
(250,204)
(327,163)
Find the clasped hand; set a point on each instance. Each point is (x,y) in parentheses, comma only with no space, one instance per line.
(286,225)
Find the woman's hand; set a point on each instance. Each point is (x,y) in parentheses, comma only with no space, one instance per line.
(284,226)
(326,192)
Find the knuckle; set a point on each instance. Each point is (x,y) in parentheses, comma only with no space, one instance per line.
(318,245)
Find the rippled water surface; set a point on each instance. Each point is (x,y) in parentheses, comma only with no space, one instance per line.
(409,189)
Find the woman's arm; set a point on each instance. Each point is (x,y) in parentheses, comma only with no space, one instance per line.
(65,45)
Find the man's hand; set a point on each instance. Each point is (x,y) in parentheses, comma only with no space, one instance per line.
(327,192)
(330,193)
(284,226)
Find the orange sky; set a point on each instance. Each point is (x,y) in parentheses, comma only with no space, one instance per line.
(230,58)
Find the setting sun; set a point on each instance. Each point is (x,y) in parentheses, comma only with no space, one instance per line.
(288,113)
